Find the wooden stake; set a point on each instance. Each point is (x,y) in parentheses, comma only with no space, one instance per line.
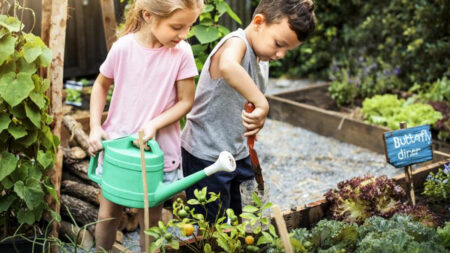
(109,22)
(45,27)
(281,225)
(408,176)
(57,42)
(144,184)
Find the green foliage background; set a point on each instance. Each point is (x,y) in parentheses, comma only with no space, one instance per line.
(412,35)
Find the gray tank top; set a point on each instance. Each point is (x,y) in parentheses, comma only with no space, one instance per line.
(214,123)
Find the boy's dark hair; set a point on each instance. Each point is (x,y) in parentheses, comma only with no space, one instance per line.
(300,14)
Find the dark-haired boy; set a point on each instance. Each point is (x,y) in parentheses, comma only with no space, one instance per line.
(236,71)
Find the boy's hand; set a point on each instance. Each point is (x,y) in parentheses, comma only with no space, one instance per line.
(96,135)
(253,121)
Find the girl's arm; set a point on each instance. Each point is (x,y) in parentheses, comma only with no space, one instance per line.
(97,105)
(229,64)
(185,93)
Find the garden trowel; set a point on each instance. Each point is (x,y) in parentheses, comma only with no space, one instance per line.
(249,107)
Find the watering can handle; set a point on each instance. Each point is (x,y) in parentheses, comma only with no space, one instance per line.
(91,171)
(151,144)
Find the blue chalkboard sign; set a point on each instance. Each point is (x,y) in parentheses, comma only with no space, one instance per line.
(408,146)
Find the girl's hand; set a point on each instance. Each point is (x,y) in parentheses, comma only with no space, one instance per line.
(96,136)
(253,121)
(149,131)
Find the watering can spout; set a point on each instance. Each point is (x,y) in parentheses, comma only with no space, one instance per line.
(225,162)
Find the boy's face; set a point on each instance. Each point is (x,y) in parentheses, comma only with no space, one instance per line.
(272,41)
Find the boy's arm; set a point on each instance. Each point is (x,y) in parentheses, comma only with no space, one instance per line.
(185,94)
(236,76)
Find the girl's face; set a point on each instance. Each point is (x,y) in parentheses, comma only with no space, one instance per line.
(171,30)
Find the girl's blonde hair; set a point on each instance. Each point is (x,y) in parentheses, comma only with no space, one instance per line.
(159,8)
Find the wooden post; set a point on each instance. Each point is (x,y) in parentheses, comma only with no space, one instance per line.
(408,176)
(281,225)
(45,27)
(57,42)
(109,22)
(144,185)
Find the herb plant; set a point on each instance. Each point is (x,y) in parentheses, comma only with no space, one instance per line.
(437,186)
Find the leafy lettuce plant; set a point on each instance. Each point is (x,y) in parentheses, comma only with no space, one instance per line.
(27,145)
(359,198)
(387,110)
(437,185)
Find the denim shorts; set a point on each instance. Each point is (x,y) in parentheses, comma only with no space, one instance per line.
(225,183)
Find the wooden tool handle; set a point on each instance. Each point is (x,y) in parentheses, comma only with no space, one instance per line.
(282,230)
(144,184)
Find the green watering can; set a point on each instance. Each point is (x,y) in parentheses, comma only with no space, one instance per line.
(121,180)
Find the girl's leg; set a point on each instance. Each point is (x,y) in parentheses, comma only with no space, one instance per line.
(105,231)
(154,217)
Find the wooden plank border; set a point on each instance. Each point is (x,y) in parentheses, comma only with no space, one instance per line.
(283,107)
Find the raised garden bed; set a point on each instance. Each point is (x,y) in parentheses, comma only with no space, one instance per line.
(309,215)
(313,109)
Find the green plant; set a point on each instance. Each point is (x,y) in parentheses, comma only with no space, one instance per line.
(226,233)
(387,110)
(437,186)
(359,198)
(27,145)
(208,31)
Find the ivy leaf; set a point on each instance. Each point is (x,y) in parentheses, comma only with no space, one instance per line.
(38,99)
(4,121)
(26,67)
(45,85)
(45,159)
(52,191)
(32,48)
(17,131)
(35,171)
(24,216)
(12,24)
(7,45)
(31,192)
(29,139)
(46,57)
(14,89)
(206,34)
(33,114)
(5,202)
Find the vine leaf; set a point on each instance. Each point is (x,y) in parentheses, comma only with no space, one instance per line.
(32,48)
(14,89)
(45,159)
(25,217)
(4,121)
(12,24)
(5,203)
(7,45)
(33,114)
(31,192)
(17,131)
(38,99)
(8,163)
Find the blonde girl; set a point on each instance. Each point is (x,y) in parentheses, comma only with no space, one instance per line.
(153,71)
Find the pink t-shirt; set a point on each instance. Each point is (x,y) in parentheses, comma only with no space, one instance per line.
(144,87)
